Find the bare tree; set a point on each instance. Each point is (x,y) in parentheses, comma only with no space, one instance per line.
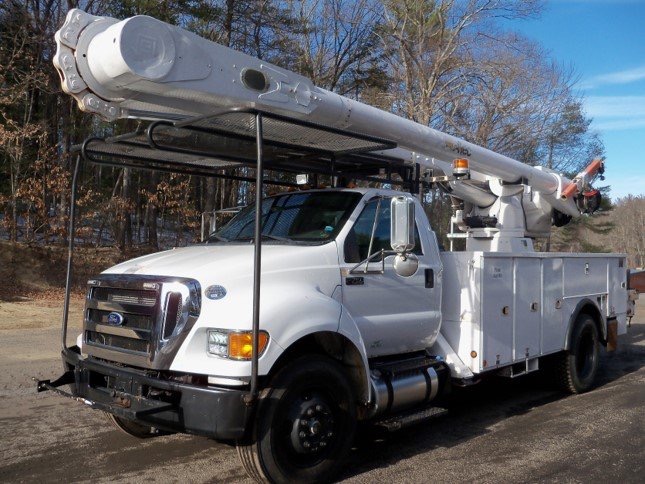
(332,42)
(629,233)
(428,45)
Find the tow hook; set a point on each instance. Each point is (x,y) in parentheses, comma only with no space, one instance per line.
(121,399)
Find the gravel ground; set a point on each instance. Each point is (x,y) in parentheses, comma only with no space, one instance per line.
(498,431)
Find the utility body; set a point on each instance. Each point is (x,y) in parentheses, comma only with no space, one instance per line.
(320,308)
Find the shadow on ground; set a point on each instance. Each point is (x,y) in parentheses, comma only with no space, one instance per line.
(473,411)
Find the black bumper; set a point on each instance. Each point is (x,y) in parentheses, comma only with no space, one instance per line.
(218,413)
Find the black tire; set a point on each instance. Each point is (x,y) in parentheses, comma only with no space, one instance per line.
(305,424)
(576,368)
(134,429)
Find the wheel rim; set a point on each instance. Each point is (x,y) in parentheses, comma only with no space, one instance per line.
(586,355)
(310,428)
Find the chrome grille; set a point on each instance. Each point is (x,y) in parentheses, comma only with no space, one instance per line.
(134,321)
(138,310)
(139,320)
(125,296)
(113,340)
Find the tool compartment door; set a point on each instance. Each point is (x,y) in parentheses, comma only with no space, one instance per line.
(497,311)
(553,319)
(527,307)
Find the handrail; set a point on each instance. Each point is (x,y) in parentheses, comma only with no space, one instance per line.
(257,263)
(70,253)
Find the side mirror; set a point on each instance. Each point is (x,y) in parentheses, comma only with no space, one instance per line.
(402,225)
(402,236)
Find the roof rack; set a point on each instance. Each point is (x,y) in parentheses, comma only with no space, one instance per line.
(212,145)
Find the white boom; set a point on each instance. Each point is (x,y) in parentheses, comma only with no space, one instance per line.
(146,69)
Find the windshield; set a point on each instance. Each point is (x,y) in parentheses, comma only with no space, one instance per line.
(298,216)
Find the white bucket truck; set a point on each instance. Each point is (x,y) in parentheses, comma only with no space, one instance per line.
(315,309)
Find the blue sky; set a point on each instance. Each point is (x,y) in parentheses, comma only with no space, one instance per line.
(604,40)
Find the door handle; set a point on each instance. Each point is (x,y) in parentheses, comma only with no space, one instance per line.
(429,278)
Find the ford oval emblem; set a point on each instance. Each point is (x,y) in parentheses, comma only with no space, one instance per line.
(215,292)
(115,319)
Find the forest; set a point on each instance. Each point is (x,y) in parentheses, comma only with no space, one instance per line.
(454,65)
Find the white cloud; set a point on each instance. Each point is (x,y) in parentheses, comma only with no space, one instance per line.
(619,125)
(615,106)
(611,113)
(619,77)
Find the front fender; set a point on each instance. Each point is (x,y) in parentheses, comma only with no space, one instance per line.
(287,313)
(311,312)
(316,313)
(349,329)
(287,320)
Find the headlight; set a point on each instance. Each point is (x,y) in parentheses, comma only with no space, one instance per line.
(218,343)
(237,345)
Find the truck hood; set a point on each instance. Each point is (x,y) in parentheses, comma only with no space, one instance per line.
(233,264)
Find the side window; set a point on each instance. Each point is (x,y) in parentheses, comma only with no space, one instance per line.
(357,243)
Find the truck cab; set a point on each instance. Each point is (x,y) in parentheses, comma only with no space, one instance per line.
(327,267)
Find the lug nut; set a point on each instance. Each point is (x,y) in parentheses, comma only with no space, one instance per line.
(310,412)
(318,408)
(306,444)
(304,422)
(323,443)
(302,434)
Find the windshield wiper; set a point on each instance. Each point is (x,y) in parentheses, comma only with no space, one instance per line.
(276,237)
(269,236)
(218,237)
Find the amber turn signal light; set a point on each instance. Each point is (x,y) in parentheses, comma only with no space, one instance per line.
(460,167)
(240,345)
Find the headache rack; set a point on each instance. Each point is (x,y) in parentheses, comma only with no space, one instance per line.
(214,145)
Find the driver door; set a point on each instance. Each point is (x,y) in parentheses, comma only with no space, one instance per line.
(395,314)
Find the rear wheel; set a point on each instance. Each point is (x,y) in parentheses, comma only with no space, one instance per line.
(577,368)
(305,425)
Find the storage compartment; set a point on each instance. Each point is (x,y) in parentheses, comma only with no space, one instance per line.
(502,309)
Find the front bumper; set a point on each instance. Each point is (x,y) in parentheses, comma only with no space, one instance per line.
(218,413)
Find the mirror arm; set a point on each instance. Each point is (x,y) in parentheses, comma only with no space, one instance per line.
(383,253)
(376,216)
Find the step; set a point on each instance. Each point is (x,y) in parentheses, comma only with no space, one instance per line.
(400,421)
(393,367)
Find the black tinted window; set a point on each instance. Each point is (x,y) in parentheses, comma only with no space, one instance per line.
(357,243)
(303,216)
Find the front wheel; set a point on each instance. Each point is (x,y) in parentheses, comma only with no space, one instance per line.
(134,429)
(577,367)
(305,424)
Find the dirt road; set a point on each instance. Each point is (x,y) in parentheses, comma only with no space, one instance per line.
(495,432)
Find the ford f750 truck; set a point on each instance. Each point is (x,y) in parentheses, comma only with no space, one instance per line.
(315,309)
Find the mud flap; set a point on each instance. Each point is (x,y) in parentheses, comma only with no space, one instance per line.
(612,335)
